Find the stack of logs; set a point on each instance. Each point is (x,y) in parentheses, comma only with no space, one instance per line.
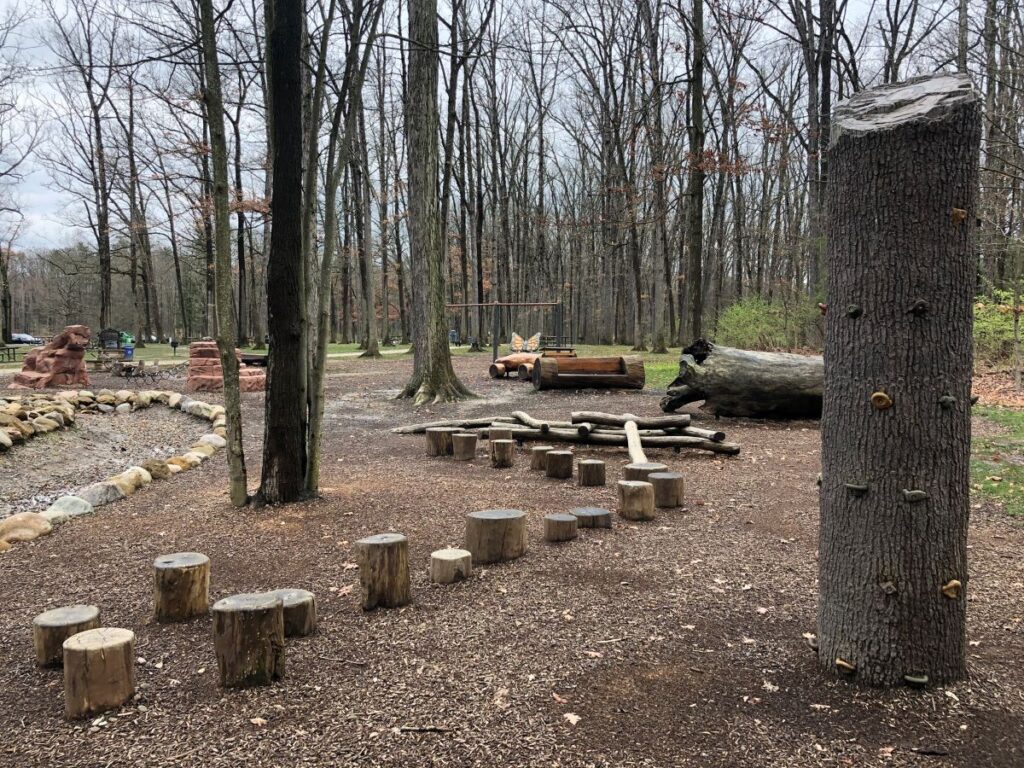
(591,428)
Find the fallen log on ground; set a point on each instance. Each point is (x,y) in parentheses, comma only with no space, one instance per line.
(642,422)
(605,438)
(419,429)
(543,425)
(737,382)
(589,372)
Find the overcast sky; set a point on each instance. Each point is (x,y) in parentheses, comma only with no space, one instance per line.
(48,221)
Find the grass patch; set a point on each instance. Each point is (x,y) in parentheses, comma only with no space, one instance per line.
(997,463)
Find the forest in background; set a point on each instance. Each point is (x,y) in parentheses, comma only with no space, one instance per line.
(580,161)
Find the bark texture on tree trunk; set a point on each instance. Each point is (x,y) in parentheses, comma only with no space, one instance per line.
(896,412)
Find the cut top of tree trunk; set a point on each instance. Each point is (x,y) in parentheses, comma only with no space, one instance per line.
(925,99)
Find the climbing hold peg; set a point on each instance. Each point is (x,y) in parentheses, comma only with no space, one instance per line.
(819,480)
(947,402)
(853,311)
(958,215)
(916,681)
(951,589)
(845,667)
(888,587)
(912,497)
(856,489)
(881,401)
(919,308)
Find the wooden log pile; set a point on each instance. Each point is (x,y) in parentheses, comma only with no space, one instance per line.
(588,428)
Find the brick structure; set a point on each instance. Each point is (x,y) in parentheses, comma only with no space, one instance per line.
(205,374)
(59,363)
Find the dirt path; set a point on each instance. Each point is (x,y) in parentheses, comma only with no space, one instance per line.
(674,643)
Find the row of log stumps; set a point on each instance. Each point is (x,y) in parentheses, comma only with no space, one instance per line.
(99,662)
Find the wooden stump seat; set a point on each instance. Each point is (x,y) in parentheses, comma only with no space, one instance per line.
(640,470)
(248,639)
(559,464)
(559,526)
(496,535)
(299,608)
(591,472)
(51,628)
(592,517)
(636,500)
(538,457)
(668,489)
(502,453)
(384,570)
(464,446)
(450,565)
(181,586)
(99,671)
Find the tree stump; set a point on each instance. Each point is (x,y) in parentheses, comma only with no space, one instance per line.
(99,671)
(248,638)
(496,535)
(464,446)
(559,464)
(902,209)
(640,471)
(384,570)
(538,457)
(448,566)
(592,517)
(559,526)
(439,441)
(181,586)
(591,472)
(502,453)
(52,628)
(299,608)
(668,488)
(499,433)
(636,500)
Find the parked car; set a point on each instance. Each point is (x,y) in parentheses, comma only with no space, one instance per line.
(24,338)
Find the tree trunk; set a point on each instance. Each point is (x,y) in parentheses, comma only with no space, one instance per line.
(690,322)
(736,382)
(433,377)
(284,437)
(223,294)
(896,416)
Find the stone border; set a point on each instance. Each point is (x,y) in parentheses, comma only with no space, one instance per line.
(23,417)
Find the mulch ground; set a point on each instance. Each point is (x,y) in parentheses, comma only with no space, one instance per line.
(670,643)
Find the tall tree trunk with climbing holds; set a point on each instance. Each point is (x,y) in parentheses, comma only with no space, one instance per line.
(902,202)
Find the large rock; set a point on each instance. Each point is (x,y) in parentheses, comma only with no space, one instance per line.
(215,440)
(24,526)
(101,493)
(157,469)
(59,363)
(67,507)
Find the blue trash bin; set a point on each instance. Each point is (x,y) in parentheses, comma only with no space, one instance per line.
(129,351)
